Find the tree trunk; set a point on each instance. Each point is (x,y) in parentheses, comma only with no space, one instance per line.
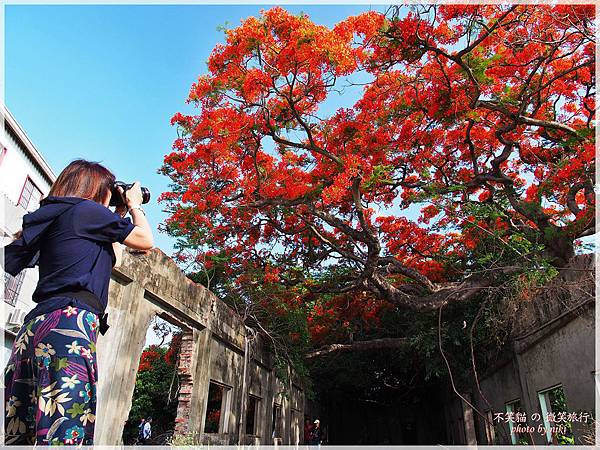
(375,344)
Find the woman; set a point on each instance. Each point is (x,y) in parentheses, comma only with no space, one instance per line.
(50,380)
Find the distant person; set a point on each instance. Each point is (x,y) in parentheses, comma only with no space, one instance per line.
(307,430)
(141,430)
(147,432)
(316,433)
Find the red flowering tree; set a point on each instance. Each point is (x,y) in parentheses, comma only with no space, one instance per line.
(471,146)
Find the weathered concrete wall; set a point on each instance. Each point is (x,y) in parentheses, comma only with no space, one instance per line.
(212,350)
(557,347)
(564,356)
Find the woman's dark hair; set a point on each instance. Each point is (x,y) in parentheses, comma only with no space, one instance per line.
(84,179)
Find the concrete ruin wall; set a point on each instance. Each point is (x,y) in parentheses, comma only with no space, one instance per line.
(212,350)
(558,350)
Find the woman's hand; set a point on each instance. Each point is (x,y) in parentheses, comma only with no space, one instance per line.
(140,237)
(133,196)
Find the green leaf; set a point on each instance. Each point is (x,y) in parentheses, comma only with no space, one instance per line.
(76,410)
(59,363)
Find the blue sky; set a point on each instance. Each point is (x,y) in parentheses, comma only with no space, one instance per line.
(102,82)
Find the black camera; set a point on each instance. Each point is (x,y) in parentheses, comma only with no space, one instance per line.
(118,199)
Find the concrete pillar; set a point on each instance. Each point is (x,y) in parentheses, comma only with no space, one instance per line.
(201,377)
(528,402)
(267,418)
(469,421)
(119,352)
(243,390)
(288,423)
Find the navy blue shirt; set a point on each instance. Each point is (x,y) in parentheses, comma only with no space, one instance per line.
(74,238)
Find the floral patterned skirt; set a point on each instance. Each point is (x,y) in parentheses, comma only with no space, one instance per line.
(50,380)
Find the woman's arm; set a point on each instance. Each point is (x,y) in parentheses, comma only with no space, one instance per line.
(140,237)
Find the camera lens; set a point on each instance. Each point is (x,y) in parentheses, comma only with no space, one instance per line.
(117,199)
(145,195)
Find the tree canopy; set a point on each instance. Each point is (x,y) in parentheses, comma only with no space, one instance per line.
(468,155)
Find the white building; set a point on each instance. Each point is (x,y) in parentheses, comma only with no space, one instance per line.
(25,177)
